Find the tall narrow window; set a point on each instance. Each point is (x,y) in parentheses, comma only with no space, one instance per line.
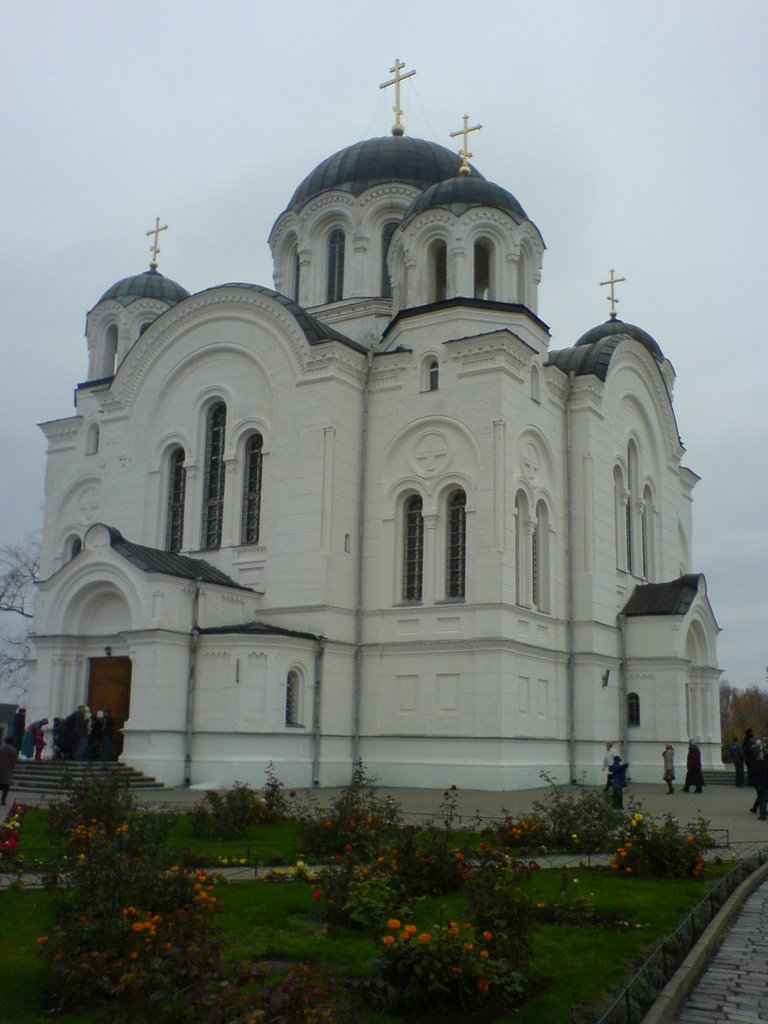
(632,496)
(92,439)
(296,290)
(456,546)
(174,518)
(523,560)
(633,709)
(75,548)
(439,272)
(292,696)
(535,564)
(386,237)
(109,352)
(646,526)
(434,375)
(482,271)
(413,549)
(213,486)
(249,533)
(335,290)
(540,559)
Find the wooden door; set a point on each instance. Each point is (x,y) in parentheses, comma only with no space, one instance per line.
(109,687)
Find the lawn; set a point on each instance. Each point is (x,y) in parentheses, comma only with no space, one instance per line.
(575,965)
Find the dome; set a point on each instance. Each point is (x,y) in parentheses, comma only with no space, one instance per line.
(459,193)
(149,285)
(613,327)
(377,161)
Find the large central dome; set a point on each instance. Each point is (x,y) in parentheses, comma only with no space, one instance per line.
(376,161)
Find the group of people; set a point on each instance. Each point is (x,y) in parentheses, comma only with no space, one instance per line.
(750,758)
(81,736)
(617,778)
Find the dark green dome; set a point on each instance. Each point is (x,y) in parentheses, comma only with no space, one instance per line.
(149,285)
(615,326)
(378,161)
(459,193)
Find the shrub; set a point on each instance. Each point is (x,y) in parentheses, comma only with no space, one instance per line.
(656,847)
(358,817)
(228,814)
(452,965)
(275,799)
(303,997)
(497,904)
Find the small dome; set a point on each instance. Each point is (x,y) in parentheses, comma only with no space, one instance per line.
(613,327)
(377,161)
(459,194)
(149,285)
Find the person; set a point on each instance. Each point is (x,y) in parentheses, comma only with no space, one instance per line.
(760,775)
(81,732)
(93,752)
(668,757)
(107,732)
(617,779)
(19,725)
(38,738)
(9,755)
(610,753)
(737,756)
(27,747)
(693,773)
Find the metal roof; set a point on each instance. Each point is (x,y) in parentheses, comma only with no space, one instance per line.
(152,560)
(260,629)
(462,193)
(149,285)
(672,598)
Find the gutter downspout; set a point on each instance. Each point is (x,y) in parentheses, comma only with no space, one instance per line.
(357,681)
(316,708)
(623,684)
(571,640)
(194,635)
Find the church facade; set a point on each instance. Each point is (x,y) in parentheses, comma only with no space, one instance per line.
(370,513)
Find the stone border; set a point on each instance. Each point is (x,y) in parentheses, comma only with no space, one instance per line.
(673,996)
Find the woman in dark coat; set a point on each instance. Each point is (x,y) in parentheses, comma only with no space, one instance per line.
(693,774)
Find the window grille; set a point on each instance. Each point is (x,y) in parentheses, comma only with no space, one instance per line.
(456,539)
(174,519)
(335,290)
(386,237)
(251,523)
(413,549)
(213,487)
(292,698)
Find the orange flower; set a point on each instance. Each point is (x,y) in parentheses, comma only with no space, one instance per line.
(405,935)
(59,956)
(394,924)
(42,940)
(482,984)
(484,954)
(134,956)
(487,936)
(629,871)
(456,970)
(411,929)
(137,926)
(425,937)
(388,940)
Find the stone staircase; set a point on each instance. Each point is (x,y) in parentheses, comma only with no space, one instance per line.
(715,777)
(53,776)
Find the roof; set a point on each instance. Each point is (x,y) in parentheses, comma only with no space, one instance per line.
(377,161)
(316,332)
(672,598)
(152,560)
(462,193)
(149,285)
(594,350)
(260,629)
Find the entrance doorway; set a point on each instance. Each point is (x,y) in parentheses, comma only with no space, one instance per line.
(109,687)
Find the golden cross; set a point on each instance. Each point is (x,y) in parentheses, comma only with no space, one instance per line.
(464,151)
(397,127)
(612,297)
(155,248)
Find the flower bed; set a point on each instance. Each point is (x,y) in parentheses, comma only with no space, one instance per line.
(10,830)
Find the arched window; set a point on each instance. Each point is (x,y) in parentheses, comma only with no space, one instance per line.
(292,698)
(438,272)
(413,549)
(109,353)
(620,518)
(296,289)
(433,376)
(252,462)
(540,559)
(456,545)
(522,277)
(92,439)
(646,533)
(633,709)
(335,290)
(386,237)
(213,485)
(174,517)
(144,327)
(482,271)
(630,506)
(535,383)
(524,530)
(75,548)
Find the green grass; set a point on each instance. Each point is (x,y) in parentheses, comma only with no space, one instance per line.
(575,966)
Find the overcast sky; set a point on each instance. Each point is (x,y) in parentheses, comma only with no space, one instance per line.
(634,135)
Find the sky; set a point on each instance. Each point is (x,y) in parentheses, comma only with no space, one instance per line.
(632,133)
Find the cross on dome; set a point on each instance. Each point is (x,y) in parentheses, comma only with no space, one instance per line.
(397,127)
(464,151)
(612,297)
(155,248)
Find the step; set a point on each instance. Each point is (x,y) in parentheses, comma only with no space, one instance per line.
(720,777)
(50,776)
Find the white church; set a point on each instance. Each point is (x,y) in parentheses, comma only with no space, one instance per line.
(370,512)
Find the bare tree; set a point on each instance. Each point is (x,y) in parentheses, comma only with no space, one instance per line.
(19,568)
